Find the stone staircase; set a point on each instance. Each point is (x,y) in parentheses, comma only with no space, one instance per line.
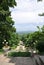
(39,60)
(36,60)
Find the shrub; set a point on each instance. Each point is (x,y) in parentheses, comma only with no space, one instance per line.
(40,46)
(19,54)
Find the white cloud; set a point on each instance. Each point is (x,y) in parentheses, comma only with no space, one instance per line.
(29,5)
(27,17)
(27,12)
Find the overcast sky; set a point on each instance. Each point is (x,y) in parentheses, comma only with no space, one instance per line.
(25,15)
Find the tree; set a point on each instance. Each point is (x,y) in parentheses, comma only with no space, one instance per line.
(42,29)
(40,42)
(39,0)
(14,39)
(28,41)
(41,14)
(6,22)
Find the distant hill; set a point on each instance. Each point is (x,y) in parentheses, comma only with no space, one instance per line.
(25,32)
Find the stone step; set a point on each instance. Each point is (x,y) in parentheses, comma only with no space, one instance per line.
(41,58)
(37,60)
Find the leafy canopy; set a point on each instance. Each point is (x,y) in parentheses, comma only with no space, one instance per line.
(6,22)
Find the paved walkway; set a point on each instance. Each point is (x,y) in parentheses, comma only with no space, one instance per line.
(4,60)
(16,60)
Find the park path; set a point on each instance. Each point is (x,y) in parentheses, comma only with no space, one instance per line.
(4,60)
(16,60)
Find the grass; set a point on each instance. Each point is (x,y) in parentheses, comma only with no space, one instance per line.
(1,51)
(19,54)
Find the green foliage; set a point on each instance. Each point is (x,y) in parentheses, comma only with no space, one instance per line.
(42,28)
(41,53)
(40,45)
(6,22)
(35,39)
(39,0)
(14,39)
(40,42)
(41,14)
(19,54)
(27,39)
(1,51)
